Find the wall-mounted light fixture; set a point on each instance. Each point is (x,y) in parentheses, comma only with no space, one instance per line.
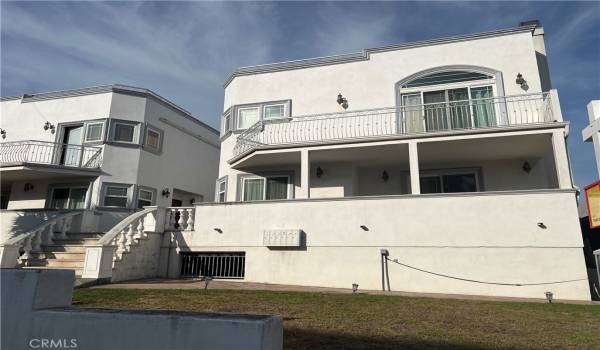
(365,228)
(166,193)
(3,133)
(319,172)
(549,296)
(354,287)
(218,230)
(49,126)
(28,187)
(342,101)
(385,176)
(526,167)
(542,225)
(522,82)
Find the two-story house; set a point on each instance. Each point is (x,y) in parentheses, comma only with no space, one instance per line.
(105,151)
(448,154)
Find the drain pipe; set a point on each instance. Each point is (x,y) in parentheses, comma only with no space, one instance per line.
(385,275)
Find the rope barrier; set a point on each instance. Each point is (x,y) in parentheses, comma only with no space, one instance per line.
(482,282)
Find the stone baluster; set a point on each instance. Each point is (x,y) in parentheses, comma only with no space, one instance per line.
(140,229)
(36,240)
(49,234)
(63,228)
(168,220)
(190,219)
(26,249)
(121,248)
(180,221)
(129,236)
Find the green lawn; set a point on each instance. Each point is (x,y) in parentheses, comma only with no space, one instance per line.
(346,321)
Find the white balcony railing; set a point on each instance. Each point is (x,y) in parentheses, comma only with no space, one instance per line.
(387,122)
(41,152)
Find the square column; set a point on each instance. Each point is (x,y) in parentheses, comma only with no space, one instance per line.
(304,191)
(561,160)
(413,156)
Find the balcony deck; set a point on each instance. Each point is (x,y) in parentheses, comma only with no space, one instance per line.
(404,121)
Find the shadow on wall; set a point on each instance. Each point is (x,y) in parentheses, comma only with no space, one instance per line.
(13,223)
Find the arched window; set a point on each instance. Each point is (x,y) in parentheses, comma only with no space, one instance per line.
(448,99)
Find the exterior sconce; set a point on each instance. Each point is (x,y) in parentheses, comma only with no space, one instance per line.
(166,193)
(192,201)
(354,287)
(549,297)
(319,172)
(218,230)
(3,133)
(365,228)
(542,225)
(342,101)
(521,81)
(28,187)
(526,167)
(385,176)
(47,126)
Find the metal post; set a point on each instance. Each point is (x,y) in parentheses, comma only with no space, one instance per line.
(384,270)
(597,259)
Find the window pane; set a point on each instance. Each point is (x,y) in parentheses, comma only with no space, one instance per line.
(226,123)
(93,132)
(276,111)
(60,198)
(253,189)
(124,132)
(115,202)
(435,111)
(222,186)
(222,197)
(483,106)
(143,203)
(413,112)
(77,198)
(460,183)
(460,111)
(446,77)
(152,139)
(147,195)
(430,184)
(116,191)
(247,117)
(277,187)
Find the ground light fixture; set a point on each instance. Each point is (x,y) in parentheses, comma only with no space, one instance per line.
(354,287)
(549,297)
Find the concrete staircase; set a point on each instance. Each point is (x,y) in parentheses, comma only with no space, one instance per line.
(64,253)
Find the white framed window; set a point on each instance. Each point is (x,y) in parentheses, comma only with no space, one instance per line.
(124,132)
(68,197)
(266,188)
(451,181)
(116,196)
(221,190)
(274,111)
(94,131)
(226,127)
(248,117)
(153,139)
(145,197)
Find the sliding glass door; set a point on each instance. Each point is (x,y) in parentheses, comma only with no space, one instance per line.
(265,188)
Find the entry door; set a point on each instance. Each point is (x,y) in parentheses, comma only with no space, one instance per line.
(72,146)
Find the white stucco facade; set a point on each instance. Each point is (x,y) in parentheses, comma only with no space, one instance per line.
(366,170)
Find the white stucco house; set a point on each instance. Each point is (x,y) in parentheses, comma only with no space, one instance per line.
(449,154)
(102,152)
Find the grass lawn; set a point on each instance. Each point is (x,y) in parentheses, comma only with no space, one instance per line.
(346,321)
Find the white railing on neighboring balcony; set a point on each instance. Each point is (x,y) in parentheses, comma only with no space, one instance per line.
(180,219)
(480,113)
(42,152)
(43,234)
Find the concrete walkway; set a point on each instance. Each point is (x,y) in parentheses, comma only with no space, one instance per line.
(240,285)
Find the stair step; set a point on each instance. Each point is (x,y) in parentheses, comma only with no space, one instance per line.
(67,263)
(64,248)
(84,235)
(61,255)
(78,272)
(75,241)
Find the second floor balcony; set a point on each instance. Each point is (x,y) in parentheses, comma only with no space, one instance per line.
(405,120)
(49,153)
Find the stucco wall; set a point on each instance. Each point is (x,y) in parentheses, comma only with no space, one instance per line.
(491,237)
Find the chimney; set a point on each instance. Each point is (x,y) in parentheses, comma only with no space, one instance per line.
(540,52)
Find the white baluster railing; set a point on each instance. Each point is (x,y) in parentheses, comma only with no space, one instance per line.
(180,219)
(43,234)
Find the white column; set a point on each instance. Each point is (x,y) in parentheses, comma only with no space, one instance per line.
(304,175)
(561,160)
(413,157)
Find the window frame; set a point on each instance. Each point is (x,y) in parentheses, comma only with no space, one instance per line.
(87,125)
(440,173)
(264,177)
(265,106)
(136,131)
(235,114)
(218,191)
(150,190)
(128,197)
(70,187)
(239,111)
(160,132)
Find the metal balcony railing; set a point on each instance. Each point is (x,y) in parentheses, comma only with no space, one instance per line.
(42,152)
(409,119)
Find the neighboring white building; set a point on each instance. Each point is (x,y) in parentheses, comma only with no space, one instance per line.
(592,131)
(102,152)
(449,153)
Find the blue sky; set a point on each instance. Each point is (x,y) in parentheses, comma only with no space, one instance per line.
(184,51)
